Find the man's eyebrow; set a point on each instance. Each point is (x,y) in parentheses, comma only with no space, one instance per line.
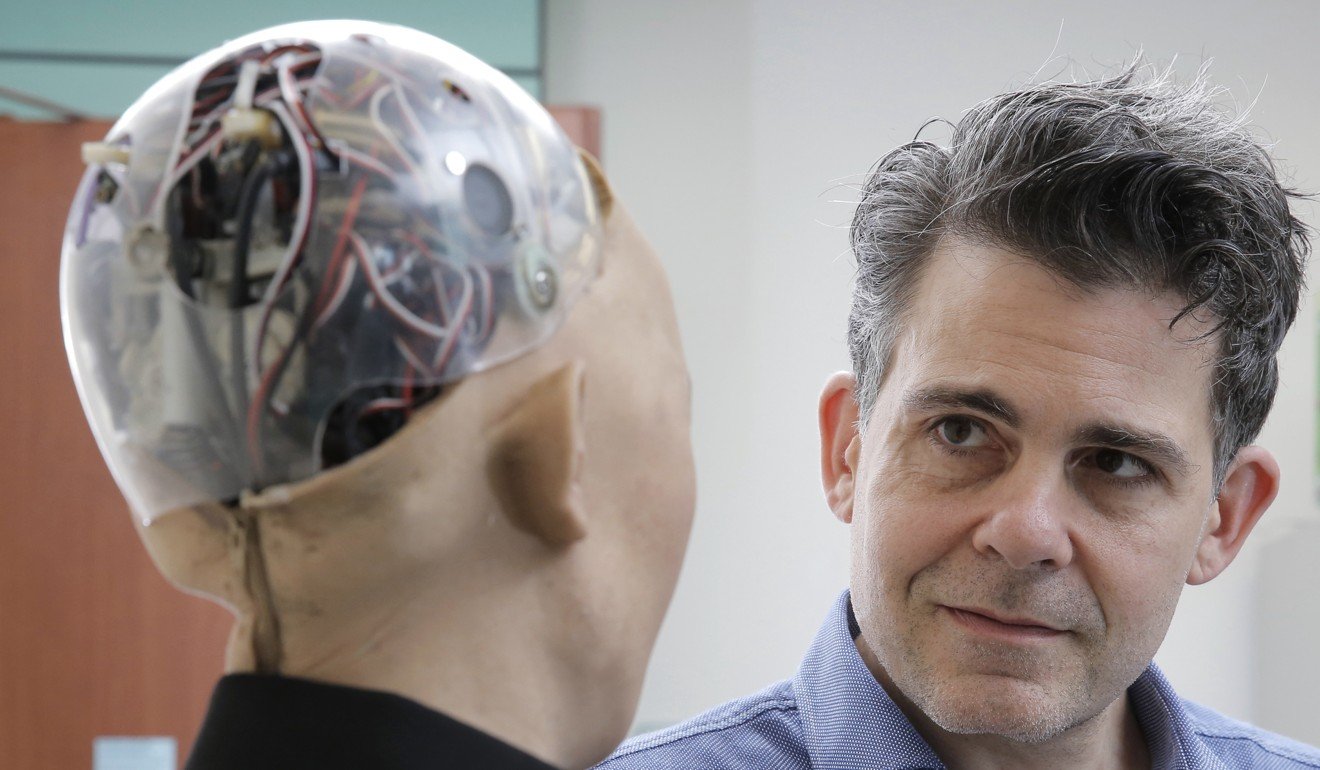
(1155,446)
(976,399)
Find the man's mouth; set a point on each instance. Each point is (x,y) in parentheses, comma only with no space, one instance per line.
(1002,626)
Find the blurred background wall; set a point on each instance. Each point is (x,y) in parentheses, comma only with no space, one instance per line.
(735,130)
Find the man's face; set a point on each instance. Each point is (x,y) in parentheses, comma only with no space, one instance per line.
(1031,490)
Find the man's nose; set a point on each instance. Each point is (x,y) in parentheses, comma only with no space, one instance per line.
(1025,522)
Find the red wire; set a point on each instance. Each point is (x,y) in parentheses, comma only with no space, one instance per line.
(293,97)
(407,390)
(418,243)
(337,257)
(450,344)
(382,405)
(256,406)
(210,101)
(270,57)
(295,257)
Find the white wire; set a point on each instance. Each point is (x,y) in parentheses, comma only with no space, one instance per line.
(428,157)
(292,61)
(374,111)
(362,159)
(247,83)
(345,281)
(186,165)
(443,354)
(301,223)
(289,92)
(382,292)
(416,362)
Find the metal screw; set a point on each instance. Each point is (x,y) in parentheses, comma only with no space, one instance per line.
(543,286)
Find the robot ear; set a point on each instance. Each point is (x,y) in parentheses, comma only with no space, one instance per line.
(535,461)
(599,184)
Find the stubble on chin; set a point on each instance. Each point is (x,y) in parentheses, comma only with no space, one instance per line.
(975,686)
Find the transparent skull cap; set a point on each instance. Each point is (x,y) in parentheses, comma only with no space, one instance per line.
(303,232)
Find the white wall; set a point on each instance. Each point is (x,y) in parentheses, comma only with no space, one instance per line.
(731,130)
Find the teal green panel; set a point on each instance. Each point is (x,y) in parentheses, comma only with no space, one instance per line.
(103,91)
(94,89)
(502,32)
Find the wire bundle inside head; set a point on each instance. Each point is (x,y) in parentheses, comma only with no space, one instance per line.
(307,233)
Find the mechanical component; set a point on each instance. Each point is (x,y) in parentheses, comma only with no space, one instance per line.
(304,239)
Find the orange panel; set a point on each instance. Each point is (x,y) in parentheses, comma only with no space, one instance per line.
(92,640)
(582,124)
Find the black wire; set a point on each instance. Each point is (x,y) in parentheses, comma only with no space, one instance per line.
(239,292)
(247,208)
(181,261)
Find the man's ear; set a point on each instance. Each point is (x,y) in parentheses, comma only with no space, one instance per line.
(840,445)
(535,461)
(1250,484)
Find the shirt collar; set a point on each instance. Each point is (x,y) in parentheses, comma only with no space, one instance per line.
(851,723)
(1170,738)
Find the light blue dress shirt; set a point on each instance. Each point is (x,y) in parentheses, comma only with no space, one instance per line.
(833,715)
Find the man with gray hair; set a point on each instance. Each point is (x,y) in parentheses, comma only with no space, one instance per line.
(1064,337)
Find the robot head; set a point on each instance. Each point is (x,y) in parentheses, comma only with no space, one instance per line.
(291,242)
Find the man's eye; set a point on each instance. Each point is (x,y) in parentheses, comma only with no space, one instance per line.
(961,432)
(1121,464)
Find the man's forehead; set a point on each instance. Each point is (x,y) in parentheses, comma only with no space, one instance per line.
(970,291)
(987,319)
